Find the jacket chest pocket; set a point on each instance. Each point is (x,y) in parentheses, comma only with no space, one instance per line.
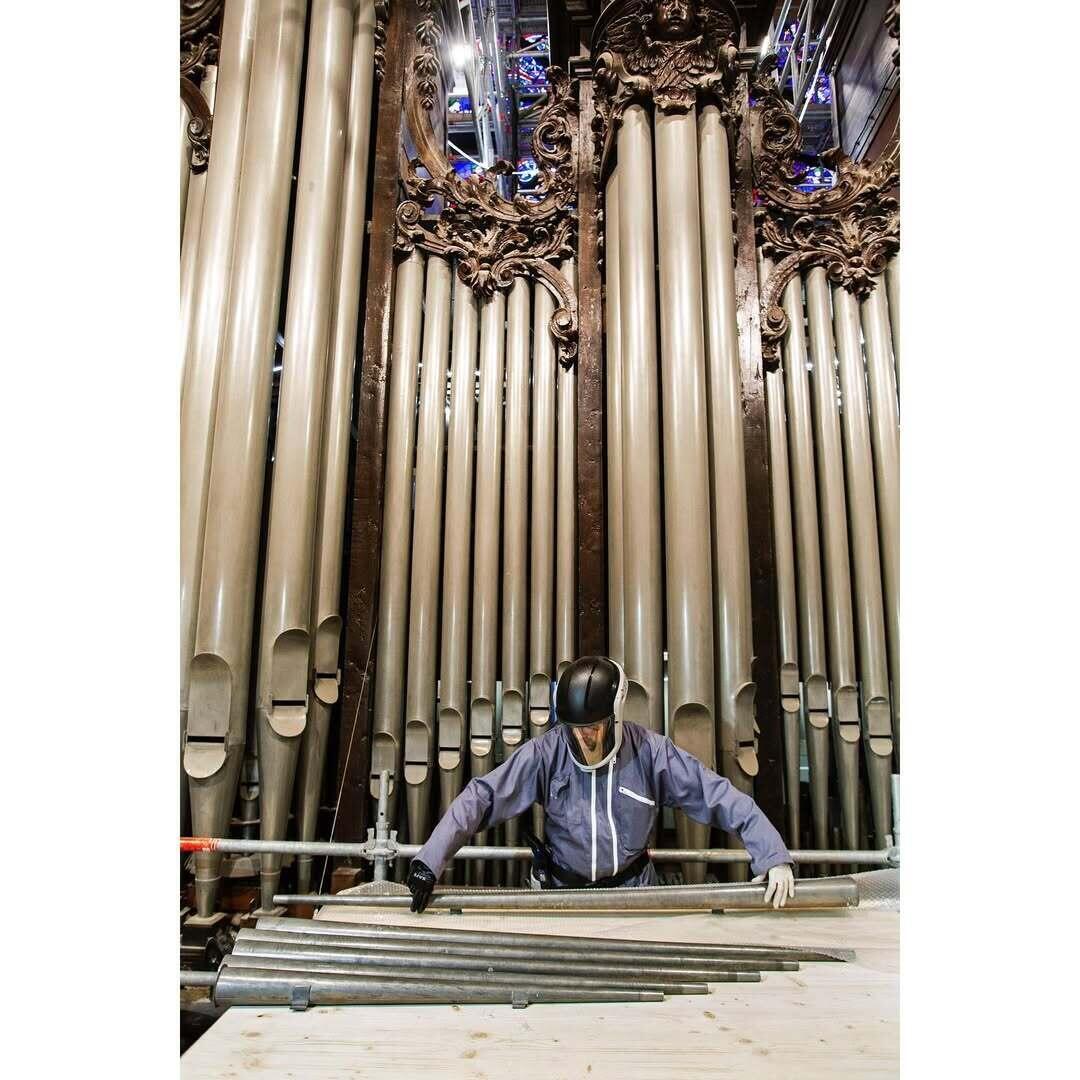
(636,811)
(563,804)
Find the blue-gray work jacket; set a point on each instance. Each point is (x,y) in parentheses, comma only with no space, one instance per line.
(598,822)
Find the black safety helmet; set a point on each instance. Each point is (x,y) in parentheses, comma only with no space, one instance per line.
(590,691)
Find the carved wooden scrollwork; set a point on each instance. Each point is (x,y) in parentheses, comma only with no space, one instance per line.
(852,229)
(892,24)
(493,239)
(668,52)
(382,12)
(200,39)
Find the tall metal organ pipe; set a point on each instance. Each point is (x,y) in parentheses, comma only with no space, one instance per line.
(731,544)
(643,630)
(885,439)
(427,551)
(285,636)
(892,286)
(566,507)
(386,748)
(217,716)
(203,342)
(189,249)
(185,168)
(834,533)
(862,516)
(871,573)
(326,617)
(786,603)
(687,549)
(809,591)
(542,524)
(457,546)
(515,597)
(613,405)
(485,607)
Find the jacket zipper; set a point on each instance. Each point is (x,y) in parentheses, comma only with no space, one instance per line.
(611,820)
(593,775)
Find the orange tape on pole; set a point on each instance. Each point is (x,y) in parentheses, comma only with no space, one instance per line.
(198,843)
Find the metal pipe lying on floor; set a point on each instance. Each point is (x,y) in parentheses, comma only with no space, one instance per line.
(332,928)
(198,978)
(888,857)
(417,953)
(419,961)
(485,976)
(261,986)
(822,892)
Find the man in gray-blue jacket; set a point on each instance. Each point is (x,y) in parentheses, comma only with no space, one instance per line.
(600,781)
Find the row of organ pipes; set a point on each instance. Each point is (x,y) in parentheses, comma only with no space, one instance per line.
(476,597)
(833,444)
(477,592)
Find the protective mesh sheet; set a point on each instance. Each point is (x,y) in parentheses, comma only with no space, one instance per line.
(879,889)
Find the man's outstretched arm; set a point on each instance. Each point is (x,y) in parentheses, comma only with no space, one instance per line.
(685,783)
(487,800)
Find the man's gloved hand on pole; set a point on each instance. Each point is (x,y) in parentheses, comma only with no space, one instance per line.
(421,883)
(781,885)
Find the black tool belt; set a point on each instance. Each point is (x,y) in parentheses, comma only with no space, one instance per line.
(553,876)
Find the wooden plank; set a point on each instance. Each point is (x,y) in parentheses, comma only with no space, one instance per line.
(363,543)
(825,1020)
(591,538)
(768,787)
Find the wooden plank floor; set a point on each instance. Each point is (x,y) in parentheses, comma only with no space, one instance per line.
(826,1020)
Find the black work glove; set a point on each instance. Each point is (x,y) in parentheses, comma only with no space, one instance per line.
(421,882)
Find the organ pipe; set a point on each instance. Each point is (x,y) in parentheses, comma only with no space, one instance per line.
(210,292)
(613,404)
(885,440)
(731,548)
(326,617)
(786,603)
(515,598)
(808,564)
(454,650)
(285,637)
(397,520)
(892,285)
(542,525)
(188,267)
(189,248)
(863,521)
(643,642)
(217,716)
(834,535)
(688,556)
(185,168)
(427,550)
(485,607)
(877,603)
(566,508)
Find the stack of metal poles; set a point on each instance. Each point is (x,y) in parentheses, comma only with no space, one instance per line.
(301,962)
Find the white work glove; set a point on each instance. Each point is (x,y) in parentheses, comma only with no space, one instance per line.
(781,885)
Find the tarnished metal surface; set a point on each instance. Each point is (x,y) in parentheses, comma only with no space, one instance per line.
(260,986)
(821,892)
